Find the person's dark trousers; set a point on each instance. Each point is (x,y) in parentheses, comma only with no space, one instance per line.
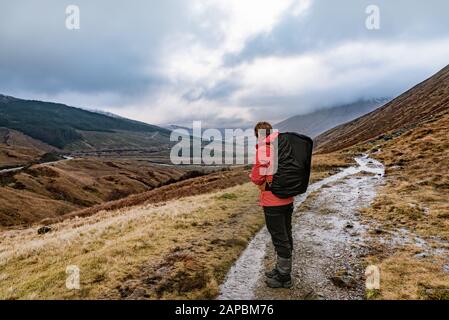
(279,224)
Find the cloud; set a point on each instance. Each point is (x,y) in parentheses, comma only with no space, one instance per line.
(226,62)
(277,87)
(117,49)
(323,25)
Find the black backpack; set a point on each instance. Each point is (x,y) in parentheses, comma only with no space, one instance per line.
(294,164)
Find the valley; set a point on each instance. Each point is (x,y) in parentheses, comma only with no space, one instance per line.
(138,227)
(259,151)
(176,241)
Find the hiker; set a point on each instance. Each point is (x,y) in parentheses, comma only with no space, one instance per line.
(278,212)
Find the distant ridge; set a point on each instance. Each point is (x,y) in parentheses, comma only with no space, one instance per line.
(317,122)
(72,128)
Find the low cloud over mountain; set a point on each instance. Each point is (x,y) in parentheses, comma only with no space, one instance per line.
(226,62)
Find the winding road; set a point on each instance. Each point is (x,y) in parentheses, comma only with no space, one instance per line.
(22,167)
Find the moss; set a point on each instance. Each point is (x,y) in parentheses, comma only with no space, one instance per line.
(433,293)
(228,196)
(372,294)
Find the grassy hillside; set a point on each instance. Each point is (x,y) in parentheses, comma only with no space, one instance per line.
(178,249)
(143,246)
(424,100)
(14,138)
(410,243)
(54,190)
(413,201)
(60,125)
(17,156)
(317,122)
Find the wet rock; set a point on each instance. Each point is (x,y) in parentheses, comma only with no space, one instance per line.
(421,255)
(349,225)
(387,137)
(139,294)
(343,278)
(44,230)
(320,296)
(344,281)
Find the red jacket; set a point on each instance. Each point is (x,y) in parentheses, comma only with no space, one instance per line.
(263,172)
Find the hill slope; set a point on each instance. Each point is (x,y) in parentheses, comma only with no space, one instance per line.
(413,201)
(412,141)
(72,128)
(317,122)
(422,101)
(53,190)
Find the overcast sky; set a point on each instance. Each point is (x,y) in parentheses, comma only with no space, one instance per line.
(225,62)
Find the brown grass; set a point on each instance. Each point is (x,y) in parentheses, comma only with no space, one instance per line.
(405,277)
(83,187)
(138,249)
(417,190)
(54,190)
(195,186)
(415,197)
(16,156)
(179,249)
(325,165)
(422,101)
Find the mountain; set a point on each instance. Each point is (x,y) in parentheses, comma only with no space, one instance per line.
(71,128)
(422,102)
(173,127)
(109,114)
(315,123)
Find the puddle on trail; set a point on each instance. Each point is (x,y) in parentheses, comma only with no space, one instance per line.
(324,233)
(432,246)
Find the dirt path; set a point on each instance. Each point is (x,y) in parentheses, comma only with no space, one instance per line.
(329,242)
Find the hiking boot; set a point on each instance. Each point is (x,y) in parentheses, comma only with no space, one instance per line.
(279,281)
(272,273)
(280,277)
